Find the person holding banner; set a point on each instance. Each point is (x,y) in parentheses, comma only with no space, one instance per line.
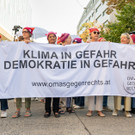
(125,39)
(51,37)
(66,39)
(4,103)
(132,35)
(94,37)
(27,33)
(105,98)
(79,101)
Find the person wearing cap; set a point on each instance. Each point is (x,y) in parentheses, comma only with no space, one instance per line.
(27,33)
(79,101)
(125,39)
(94,36)
(4,102)
(66,39)
(132,35)
(51,37)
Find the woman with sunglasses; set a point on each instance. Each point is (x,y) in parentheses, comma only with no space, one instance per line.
(27,33)
(125,39)
(94,37)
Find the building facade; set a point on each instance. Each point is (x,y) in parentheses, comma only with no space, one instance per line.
(96,11)
(14,12)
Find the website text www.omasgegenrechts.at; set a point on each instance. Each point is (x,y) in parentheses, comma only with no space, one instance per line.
(70,84)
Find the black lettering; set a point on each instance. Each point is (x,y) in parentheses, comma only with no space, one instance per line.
(79,54)
(7,64)
(15,64)
(73,64)
(92,53)
(97,63)
(39,64)
(104,63)
(45,55)
(32,55)
(26,54)
(123,64)
(131,65)
(113,54)
(48,64)
(56,65)
(86,54)
(99,54)
(23,64)
(106,54)
(54,55)
(32,64)
(116,64)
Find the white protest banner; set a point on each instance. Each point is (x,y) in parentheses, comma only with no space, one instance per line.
(45,70)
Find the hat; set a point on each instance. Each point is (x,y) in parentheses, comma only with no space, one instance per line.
(77,40)
(50,33)
(93,29)
(133,37)
(63,37)
(30,30)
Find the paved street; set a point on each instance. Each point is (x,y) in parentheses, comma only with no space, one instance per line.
(68,124)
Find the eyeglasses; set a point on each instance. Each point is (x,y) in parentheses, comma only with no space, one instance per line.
(96,32)
(25,32)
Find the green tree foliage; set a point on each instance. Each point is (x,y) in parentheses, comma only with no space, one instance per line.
(117,4)
(125,23)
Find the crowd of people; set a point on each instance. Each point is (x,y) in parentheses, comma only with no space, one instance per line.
(98,103)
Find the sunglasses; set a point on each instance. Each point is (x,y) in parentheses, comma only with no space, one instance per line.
(96,32)
(25,32)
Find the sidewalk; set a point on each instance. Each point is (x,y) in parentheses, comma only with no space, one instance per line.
(68,124)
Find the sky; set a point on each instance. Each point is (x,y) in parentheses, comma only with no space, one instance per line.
(57,15)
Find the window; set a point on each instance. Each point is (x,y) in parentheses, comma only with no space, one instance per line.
(98,17)
(104,12)
(92,14)
(98,8)
(105,22)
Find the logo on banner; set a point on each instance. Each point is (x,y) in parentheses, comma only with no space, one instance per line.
(129,84)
